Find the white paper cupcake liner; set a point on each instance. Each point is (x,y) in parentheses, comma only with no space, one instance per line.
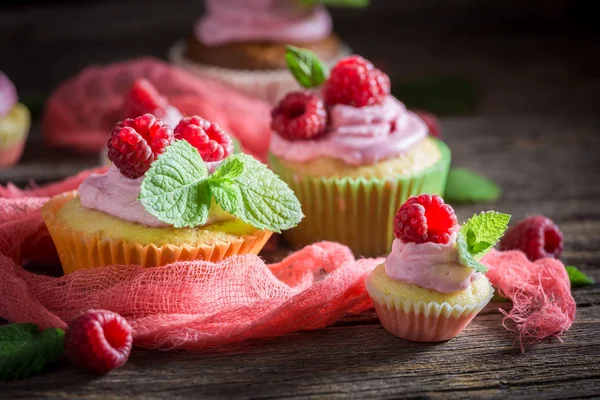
(269,86)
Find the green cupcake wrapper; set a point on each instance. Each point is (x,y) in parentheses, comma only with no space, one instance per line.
(358,213)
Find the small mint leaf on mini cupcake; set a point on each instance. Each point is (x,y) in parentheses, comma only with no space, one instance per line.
(265,201)
(305,66)
(478,235)
(336,3)
(175,189)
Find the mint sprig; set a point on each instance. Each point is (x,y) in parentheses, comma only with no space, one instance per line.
(305,66)
(576,277)
(464,186)
(178,190)
(478,235)
(336,3)
(25,350)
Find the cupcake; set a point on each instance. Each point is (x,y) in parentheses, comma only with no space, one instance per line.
(169,196)
(14,123)
(432,285)
(242,43)
(352,153)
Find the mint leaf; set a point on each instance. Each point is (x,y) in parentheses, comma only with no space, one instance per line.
(257,196)
(464,186)
(174,189)
(25,351)
(305,66)
(577,277)
(478,235)
(337,3)
(228,171)
(237,147)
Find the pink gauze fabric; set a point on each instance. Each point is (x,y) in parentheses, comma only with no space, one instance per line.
(81,112)
(540,292)
(198,305)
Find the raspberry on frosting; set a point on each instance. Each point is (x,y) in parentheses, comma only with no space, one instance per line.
(136,142)
(300,116)
(143,98)
(354,81)
(425,218)
(212,142)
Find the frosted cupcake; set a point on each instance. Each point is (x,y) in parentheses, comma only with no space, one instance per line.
(169,196)
(242,43)
(14,123)
(352,153)
(432,285)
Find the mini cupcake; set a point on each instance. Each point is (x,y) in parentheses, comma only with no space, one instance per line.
(352,153)
(169,196)
(432,285)
(14,123)
(242,43)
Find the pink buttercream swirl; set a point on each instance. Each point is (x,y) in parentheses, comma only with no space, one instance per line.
(281,21)
(118,195)
(429,265)
(8,95)
(358,136)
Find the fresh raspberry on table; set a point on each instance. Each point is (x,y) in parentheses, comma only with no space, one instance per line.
(537,237)
(354,81)
(433,124)
(99,341)
(300,116)
(143,98)
(212,142)
(425,218)
(135,143)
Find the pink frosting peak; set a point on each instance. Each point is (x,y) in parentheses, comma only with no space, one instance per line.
(429,265)
(279,21)
(8,95)
(358,136)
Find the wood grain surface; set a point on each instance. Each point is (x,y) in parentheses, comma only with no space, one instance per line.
(536,132)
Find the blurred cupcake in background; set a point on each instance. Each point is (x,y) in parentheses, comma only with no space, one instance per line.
(14,123)
(242,43)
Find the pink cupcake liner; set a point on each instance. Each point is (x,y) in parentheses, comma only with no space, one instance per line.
(270,86)
(423,322)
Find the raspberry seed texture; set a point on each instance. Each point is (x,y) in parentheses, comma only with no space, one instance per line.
(425,218)
(209,139)
(300,116)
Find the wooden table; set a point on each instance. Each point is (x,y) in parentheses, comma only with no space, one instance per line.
(536,132)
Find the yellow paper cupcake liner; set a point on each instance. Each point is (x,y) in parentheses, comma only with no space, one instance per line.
(82,251)
(358,213)
(14,129)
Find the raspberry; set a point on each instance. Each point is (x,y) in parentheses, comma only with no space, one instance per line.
(144,98)
(537,237)
(433,125)
(300,116)
(425,218)
(135,143)
(99,341)
(354,81)
(212,142)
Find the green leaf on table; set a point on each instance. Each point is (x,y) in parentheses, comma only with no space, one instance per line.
(25,350)
(478,235)
(175,189)
(465,186)
(577,277)
(305,66)
(336,3)
(438,94)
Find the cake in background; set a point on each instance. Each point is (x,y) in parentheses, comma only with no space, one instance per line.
(242,42)
(14,123)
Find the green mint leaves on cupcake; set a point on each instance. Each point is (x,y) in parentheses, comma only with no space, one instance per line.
(25,350)
(305,66)
(178,190)
(336,3)
(478,235)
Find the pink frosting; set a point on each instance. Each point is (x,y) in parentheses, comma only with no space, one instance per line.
(429,265)
(8,95)
(358,136)
(118,195)
(279,21)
